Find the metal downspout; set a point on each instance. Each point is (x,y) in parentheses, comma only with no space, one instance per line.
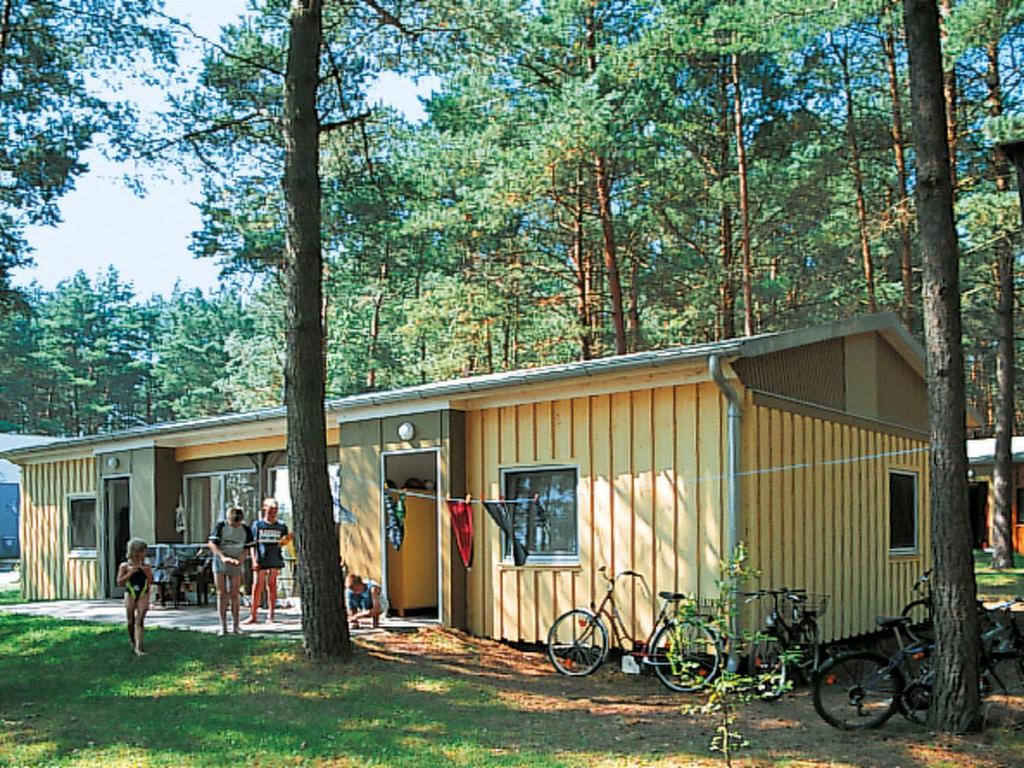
(732,534)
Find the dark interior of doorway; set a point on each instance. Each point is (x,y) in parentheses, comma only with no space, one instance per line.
(412,570)
(118,508)
(978,504)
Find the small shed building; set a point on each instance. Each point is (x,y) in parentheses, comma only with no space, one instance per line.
(810,446)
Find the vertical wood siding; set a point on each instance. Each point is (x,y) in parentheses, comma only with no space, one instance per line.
(47,571)
(817,513)
(649,496)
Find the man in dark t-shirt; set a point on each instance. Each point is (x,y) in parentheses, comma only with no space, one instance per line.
(270,536)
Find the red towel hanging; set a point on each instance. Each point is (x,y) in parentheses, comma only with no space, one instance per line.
(462,525)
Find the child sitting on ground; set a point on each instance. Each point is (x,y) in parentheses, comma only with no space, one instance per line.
(362,598)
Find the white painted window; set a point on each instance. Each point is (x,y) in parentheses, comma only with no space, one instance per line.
(542,502)
(82,525)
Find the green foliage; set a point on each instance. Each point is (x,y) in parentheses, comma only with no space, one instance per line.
(53,58)
(730,689)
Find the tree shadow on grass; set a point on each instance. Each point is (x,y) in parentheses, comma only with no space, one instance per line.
(73,693)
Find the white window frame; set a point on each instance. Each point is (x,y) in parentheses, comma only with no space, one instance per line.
(215,515)
(83,552)
(539,559)
(913,549)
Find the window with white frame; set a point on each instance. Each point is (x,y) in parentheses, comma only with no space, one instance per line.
(902,512)
(208,496)
(542,504)
(82,523)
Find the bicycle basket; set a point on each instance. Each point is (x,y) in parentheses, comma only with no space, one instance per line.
(813,604)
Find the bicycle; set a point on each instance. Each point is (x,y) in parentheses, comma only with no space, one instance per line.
(787,645)
(920,611)
(685,654)
(1002,647)
(863,689)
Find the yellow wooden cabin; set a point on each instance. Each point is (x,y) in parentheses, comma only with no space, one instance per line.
(810,446)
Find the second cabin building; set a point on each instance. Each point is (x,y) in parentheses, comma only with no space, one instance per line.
(810,446)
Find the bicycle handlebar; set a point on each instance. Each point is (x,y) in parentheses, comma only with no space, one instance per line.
(603,570)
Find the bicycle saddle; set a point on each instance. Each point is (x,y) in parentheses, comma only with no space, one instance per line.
(673,595)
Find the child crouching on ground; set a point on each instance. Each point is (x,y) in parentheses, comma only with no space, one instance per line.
(135,576)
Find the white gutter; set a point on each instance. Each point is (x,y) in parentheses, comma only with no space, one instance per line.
(733,527)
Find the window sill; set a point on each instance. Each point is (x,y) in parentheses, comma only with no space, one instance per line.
(904,555)
(550,566)
(82,554)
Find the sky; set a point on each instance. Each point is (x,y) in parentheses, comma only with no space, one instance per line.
(146,239)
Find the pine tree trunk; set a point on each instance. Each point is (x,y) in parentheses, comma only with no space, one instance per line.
(5,35)
(726,289)
(611,258)
(741,167)
(955,700)
(324,624)
(378,304)
(582,273)
(1002,474)
(949,92)
(867,265)
(902,198)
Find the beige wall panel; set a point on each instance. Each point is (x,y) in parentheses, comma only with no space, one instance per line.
(712,493)
(687,492)
(663,503)
(778,516)
(528,606)
(508,440)
(564,597)
(230,448)
(545,598)
(603,486)
(644,551)
(544,435)
(790,519)
(491,596)
(526,446)
(562,431)
(623,509)
(474,577)
(581,448)
(48,573)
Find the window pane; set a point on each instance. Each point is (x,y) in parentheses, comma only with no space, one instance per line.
(902,511)
(543,508)
(240,490)
(83,523)
(198,520)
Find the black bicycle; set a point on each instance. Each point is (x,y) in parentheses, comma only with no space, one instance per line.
(863,689)
(920,611)
(788,646)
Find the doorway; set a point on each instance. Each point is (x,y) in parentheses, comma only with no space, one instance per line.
(978,505)
(117,506)
(412,572)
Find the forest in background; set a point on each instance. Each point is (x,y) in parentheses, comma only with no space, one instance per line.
(593,177)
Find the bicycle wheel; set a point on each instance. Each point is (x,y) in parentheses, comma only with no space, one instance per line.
(921,629)
(808,642)
(577,643)
(857,690)
(685,656)
(769,668)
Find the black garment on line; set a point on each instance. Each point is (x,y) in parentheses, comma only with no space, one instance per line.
(502,515)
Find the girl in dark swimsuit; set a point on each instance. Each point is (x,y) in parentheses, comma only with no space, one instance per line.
(135,576)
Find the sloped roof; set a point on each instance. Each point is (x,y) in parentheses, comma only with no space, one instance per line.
(886,324)
(9,473)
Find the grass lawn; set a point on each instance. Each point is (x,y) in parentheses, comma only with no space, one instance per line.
(71,694)
(998,585)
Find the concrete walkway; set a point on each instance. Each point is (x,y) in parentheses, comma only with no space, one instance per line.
(195,618)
